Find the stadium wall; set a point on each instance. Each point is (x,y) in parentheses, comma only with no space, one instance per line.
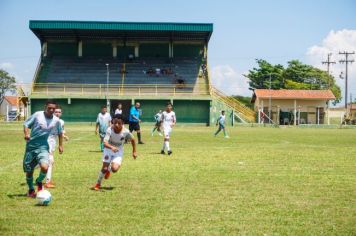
(86,110)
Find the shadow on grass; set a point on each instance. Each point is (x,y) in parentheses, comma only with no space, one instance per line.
(19,195)
(103,189)
(95,151)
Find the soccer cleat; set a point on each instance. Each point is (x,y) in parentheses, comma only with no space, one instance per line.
(50,184)
(96,187)
(169,152)
(160,134)
(162,152)
(39,186)
(227,136)
(107,175)
(141,142)
(31,193)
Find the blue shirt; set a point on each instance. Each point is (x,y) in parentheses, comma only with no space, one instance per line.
(134,112)
(41,127)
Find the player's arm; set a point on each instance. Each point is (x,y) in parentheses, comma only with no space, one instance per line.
(60,138)
(27,126)
(96,128)
(133,143)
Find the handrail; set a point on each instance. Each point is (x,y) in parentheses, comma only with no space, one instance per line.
(36,71)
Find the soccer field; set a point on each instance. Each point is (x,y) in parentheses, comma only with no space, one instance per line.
(287,181)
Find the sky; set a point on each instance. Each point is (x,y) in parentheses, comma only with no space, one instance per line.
(275,30)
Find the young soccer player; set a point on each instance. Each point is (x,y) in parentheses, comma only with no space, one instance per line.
(114,149)
(168,121)
(102,123)
(42,124)
(52,147)
(221,122)
(157,126)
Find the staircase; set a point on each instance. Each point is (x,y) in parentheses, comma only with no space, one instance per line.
(245,114)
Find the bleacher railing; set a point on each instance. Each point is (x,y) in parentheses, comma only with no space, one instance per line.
(119,89)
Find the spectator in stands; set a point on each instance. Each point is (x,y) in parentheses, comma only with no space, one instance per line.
(131,57)
(158,72)
(134,121)
(170,71)
(122,69)
(118,109)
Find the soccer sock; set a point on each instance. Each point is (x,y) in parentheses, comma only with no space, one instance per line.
(41,177)
(29,181)
(225,134)
(153,130)
(164,145)
(139,137)
(100,177)
(167,145)
(101,146)
(49,171)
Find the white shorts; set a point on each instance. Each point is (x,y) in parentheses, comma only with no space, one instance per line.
(167,131)
(110,156)
(52,142)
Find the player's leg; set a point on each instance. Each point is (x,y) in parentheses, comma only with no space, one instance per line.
(167,132)
(117,160)
(225,133)
(219,129)
(43,160)
(29,163)
(101,141)
(52,146)
(104,169)
(138,131)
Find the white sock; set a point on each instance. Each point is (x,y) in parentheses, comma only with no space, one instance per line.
(167,145)
(164,145)
(100,177)
(50,167)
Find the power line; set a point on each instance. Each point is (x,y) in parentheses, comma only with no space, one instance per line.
(328,62)
(346,61)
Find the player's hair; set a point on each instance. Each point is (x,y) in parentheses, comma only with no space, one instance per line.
(117,119)
(103,106)
(51,102)
(58,107)
(169,103)
(222,111)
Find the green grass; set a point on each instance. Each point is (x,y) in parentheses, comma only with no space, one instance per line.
(284,181)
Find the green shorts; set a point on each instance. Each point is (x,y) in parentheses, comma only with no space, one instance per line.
(33,158)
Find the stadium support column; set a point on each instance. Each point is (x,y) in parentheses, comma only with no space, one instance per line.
(80,48)
(295,112)
(137,51)
(114,50)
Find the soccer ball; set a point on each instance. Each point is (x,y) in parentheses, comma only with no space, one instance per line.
(43,197)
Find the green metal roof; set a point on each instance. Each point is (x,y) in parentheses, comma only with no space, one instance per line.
(140,26)
(133,30)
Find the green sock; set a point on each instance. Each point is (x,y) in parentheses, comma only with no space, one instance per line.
(41,177)
(29,181)
(101,146)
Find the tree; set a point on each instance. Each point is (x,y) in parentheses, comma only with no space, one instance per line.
(7,84)
(296,76)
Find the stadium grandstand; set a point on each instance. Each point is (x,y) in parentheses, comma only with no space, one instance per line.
(84,65)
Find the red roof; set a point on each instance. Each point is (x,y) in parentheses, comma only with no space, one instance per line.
(12,100)
(295,94)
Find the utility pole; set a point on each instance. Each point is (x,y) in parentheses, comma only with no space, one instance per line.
(328,62)
(346,61)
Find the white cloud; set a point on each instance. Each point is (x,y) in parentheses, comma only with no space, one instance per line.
(7,66)
(335,42)
(228,80)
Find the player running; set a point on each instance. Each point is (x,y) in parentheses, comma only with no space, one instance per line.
(168,121)
(52,147)
(114,140)
(157,118)
(102,123)
(221,122)
(42,124)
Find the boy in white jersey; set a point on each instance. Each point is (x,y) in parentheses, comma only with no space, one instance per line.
(52,142)
(157,127)
(102,123)
(114,140)
(42,124)
(168,121)
(221,122)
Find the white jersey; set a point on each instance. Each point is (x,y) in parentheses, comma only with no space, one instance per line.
(118,111)
(168,118)
(54,132)
(104,121)
(221,119)
(117,139)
